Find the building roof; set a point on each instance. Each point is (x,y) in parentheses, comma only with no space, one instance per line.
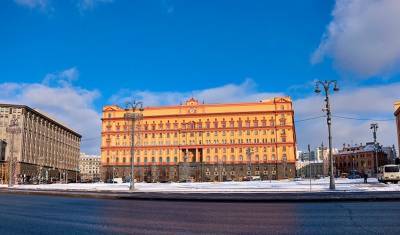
(368,147)
(43,115)
(396,108)
(193,107)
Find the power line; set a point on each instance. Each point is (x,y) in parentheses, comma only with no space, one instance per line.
(364,119)
(308,119)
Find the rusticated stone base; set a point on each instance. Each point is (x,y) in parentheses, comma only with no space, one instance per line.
(200,172)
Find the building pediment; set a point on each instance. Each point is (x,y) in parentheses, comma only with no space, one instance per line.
(111,108)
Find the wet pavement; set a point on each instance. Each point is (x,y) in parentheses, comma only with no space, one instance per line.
(29,214)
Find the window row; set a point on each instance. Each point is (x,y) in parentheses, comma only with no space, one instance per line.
(207,158)
(201,124)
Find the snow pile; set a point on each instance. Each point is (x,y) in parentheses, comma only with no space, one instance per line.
(320,185)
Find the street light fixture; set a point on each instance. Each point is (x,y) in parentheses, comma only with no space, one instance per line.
(133,116)
(326,85)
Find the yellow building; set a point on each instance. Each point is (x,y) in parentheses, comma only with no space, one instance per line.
(397,115)
(202,142)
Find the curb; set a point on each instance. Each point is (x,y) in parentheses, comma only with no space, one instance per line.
(218,197)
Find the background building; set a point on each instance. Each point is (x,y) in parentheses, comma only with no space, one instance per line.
(3,165)
(305,168)
(390,154)
(307,156)
(203,142)
(359,158)
(397,120)
(89,168)
(322,156)
(319,161)
(44,148)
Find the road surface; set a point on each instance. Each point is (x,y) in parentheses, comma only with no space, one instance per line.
(28,214)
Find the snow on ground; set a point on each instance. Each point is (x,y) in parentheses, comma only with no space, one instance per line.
(320,185)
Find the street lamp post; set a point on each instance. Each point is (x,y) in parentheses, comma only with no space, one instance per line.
(374,128)
(134,116)
(12,129)
(352,156)
(326,85)
(248,153)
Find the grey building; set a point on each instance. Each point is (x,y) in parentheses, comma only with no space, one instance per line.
(44,149)
(89,168)
(305,169)
(391,154)
(306,156)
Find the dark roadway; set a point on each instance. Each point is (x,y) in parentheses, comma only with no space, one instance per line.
(24,214)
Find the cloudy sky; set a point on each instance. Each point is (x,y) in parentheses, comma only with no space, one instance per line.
(69,58)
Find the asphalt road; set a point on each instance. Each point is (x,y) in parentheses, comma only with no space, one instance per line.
(28,214)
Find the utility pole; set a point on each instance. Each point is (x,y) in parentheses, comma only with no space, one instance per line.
(12,129)
(309,162)
(133,117)
(374,127)
(326,85)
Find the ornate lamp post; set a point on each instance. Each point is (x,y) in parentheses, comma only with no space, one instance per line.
(326,85)
(133,117)
(374,128)
(12,129)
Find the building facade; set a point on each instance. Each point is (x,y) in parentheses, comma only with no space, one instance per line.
(43,149)
(322,155)
(202,142)
(89,168)
(305,169)
(397,120)
(359,158)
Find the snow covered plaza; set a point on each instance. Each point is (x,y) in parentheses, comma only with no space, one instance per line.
(303,185)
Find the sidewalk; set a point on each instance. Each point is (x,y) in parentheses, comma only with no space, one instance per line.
(255,191)
(320,185)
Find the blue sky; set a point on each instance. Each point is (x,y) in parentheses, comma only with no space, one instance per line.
(147,45)
(89,53)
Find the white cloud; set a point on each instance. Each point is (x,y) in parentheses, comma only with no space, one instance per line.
(41,4)
(362,103)
(168,6)
(366,102)
(65,77)
(246,91)
(74,106)
(90,4)
(363,38)
(61,100)
(45,5)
